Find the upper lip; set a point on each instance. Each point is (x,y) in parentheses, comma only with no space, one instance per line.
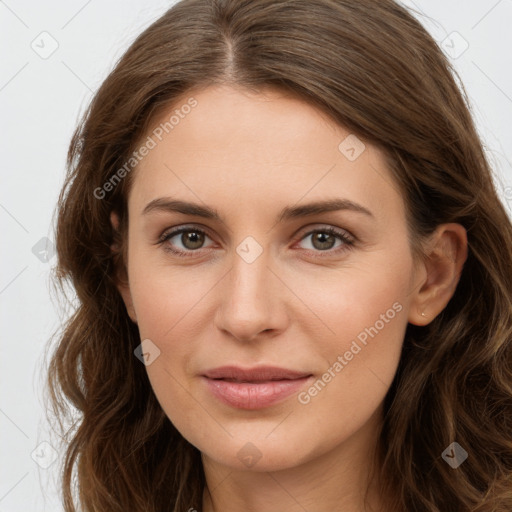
(260,373)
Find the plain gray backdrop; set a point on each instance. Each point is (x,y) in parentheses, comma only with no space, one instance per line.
(55,55)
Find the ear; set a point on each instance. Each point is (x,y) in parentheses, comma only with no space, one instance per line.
(122,282)
(444,260)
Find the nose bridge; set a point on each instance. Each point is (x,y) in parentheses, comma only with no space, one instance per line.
(250,274)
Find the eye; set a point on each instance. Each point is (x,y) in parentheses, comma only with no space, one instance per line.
(191,239)
(324,240)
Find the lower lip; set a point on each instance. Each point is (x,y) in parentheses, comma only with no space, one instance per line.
(249,395)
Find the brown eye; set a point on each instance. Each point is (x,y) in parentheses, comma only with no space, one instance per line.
(190,241)
(324,239)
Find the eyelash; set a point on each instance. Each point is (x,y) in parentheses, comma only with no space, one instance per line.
(348,240)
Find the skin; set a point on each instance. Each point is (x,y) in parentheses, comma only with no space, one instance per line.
(299,305)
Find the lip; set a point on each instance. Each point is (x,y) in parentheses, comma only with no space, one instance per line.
(254,388)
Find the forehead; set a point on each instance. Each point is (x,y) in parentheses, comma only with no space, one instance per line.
(244,149)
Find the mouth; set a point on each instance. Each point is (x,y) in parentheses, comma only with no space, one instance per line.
(255,388)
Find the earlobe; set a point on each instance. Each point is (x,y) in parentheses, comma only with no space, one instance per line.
(121,277)
(443,264)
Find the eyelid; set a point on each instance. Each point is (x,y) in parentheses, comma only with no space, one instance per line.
(312,228)
(176,230)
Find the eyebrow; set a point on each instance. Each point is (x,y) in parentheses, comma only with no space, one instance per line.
(168,204)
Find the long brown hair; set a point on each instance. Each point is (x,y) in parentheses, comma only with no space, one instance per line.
(372,67)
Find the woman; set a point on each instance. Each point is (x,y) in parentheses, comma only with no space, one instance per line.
(293,272)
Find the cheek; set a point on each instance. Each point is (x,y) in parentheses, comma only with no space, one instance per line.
(360,357)
(364,300)
(175,308)
(363,310)
(169,300)
(168,305)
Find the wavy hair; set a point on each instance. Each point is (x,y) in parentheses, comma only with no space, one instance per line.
(373,68)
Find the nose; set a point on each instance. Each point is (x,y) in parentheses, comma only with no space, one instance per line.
(252,300)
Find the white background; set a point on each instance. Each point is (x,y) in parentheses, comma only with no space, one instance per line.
(40,101)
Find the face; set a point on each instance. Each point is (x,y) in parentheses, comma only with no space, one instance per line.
(269,280)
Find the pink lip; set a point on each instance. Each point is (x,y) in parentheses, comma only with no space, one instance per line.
(254,388)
